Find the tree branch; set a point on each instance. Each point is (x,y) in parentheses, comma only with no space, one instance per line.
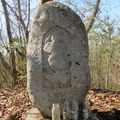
(93,16)
(28,14)
(19,17)
(7,20)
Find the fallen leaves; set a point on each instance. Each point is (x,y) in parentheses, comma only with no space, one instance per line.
(105,104)
(103,101)
(15,103)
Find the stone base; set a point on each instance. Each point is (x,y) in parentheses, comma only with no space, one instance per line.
(34,114)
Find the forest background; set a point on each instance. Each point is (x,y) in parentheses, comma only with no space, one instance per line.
(102,22)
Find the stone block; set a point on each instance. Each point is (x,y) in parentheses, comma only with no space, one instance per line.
(57,58)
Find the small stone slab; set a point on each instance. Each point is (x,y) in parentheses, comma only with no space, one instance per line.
(34,114)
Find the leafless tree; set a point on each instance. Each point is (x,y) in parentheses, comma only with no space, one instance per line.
(12,60)
(91,22)
(17,17)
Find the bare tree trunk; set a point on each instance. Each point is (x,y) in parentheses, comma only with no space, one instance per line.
(14,71)
(93,16)
(107,73)
(3,75)
(19,17)
(5,64)
(28,22)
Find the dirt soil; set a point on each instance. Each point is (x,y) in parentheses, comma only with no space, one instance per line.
(15,103)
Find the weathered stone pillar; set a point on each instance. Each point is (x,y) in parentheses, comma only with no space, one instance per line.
(57,58)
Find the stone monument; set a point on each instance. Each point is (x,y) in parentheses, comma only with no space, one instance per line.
(57,58)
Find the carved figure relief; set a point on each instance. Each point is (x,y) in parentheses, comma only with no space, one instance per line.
(57,59)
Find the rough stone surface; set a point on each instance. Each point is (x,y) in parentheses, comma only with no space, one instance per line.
(57,57)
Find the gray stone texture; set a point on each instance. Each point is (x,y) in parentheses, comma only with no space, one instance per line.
(57,57)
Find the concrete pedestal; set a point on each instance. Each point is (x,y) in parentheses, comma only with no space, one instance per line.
(34,114)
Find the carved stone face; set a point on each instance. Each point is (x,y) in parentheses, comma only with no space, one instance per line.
(57,60)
